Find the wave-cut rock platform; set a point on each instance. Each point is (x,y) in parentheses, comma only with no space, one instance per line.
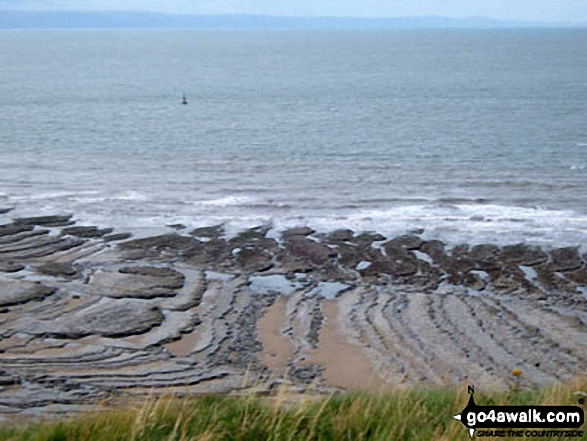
(88,314)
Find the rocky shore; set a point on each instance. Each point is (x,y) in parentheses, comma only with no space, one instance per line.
(88,314)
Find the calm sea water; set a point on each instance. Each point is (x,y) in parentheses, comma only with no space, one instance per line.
(473,135)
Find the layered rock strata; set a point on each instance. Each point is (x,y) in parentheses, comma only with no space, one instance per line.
(87,314)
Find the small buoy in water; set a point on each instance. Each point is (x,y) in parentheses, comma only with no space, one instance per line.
(184,99)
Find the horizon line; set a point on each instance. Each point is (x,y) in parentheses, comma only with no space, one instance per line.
(488,21)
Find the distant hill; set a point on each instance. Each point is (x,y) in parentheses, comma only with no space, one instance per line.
(11,19)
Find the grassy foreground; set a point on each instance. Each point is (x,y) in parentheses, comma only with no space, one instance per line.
(398,415)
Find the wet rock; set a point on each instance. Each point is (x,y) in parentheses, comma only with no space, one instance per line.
(253,259)
(254,237)
(7,379)
(115,319)
(14,292)
(45,220)
(261,229)
(579,276)
(32,245)
(141,282)
(56,269)
(277,384)
(11,239)
(166,245)
(315,326)
(435,249)
(241,352)
(377,267)
(504,285)
(10,267)
(551,282)
(177,226)
(351,255)
(314,252)
(213,253)
(163,242)
(473,281)
(428,277)
(458,265)
(485,252)
(460,250)
(408,242)
(268,244)
(486,257)
(44,247)
(305,374)
(488,265)
(299,231)
(342,235)
(254,233)
(86,232)
(511,278)
(369,238)
(116,237)
(214,231)
(397,263)
(155,272)
(566,259)
(11,229)
(522,254)
(402,262)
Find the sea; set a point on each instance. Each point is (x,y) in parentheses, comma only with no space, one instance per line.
(471,135)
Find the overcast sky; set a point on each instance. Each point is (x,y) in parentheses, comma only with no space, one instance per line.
(534,10)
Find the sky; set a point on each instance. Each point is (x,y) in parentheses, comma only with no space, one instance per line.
(573,11)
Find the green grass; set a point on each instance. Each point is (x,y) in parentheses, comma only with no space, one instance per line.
(399,415)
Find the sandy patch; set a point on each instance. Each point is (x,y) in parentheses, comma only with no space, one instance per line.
(345,364)
(277,348)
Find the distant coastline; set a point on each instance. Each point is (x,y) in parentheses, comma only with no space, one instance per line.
(17,19)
